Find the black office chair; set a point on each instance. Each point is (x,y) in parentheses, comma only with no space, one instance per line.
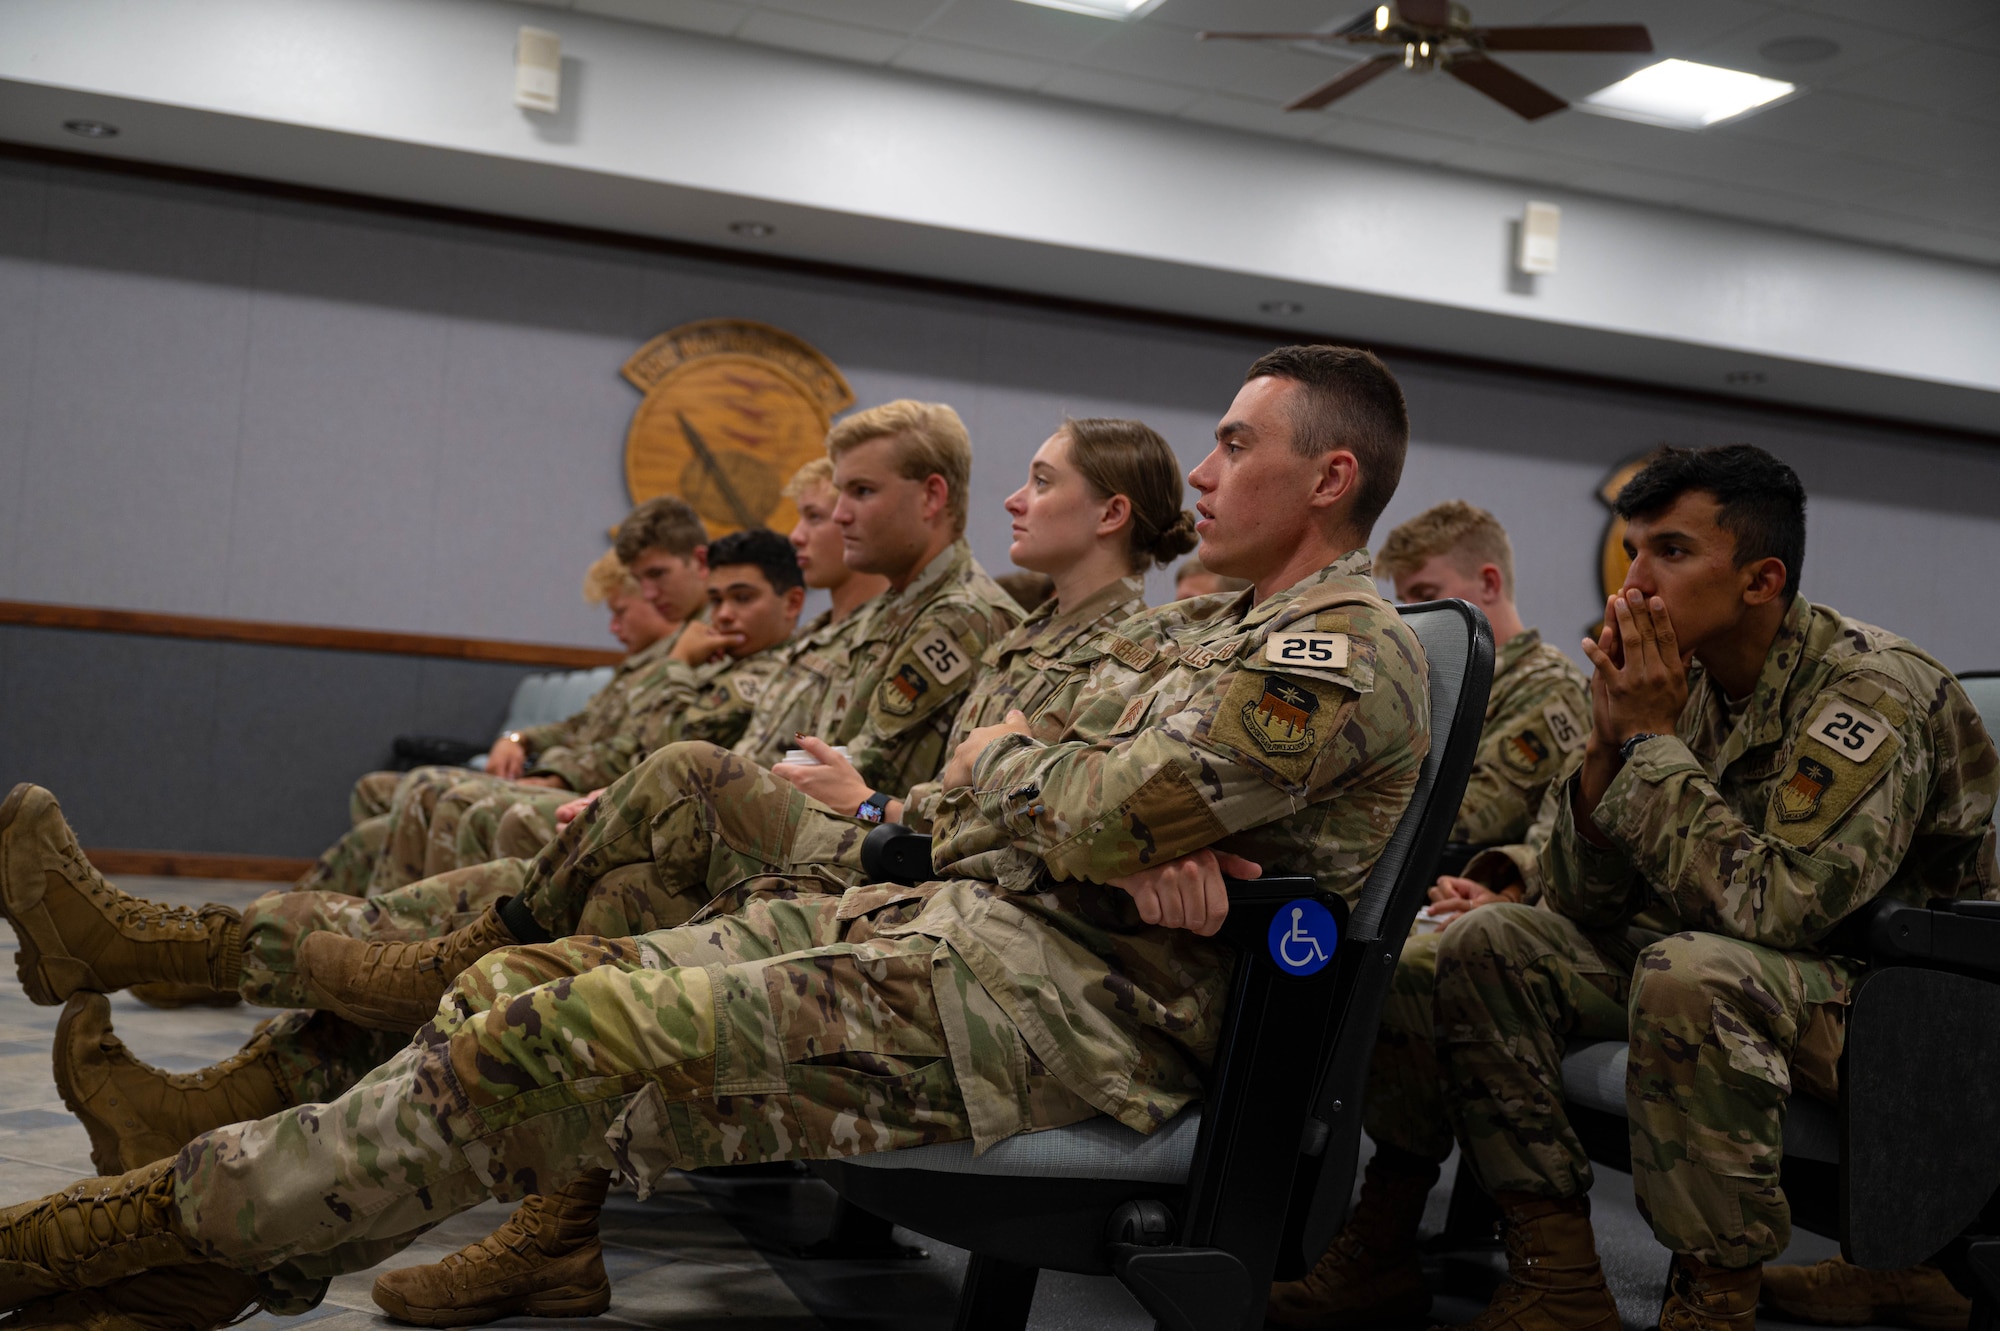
(1198,1218)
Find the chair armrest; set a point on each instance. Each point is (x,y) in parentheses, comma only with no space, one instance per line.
(1961,935)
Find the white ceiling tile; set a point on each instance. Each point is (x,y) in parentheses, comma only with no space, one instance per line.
(1959,149)
(1254,15)
(1918,17)
(1859,46)
(1935,78)
(903,16)
(1882,229)
(1094,85)
(842,42)
(1677,27)
(1019,29)
(711,16)
(1980,36)
(1488,159)
(1172,55)
(1389,139)
(973,66)
(1829,118)
(1978,246)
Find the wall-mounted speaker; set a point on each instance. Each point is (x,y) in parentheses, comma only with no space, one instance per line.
(1539,224)
(538,70)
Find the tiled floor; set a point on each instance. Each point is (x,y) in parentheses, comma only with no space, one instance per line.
(708,1251)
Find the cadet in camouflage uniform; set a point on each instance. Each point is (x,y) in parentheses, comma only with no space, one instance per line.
(1726,820)
(1533,729)
(705,690)
(1101,501)
(658,550)
(890,1016)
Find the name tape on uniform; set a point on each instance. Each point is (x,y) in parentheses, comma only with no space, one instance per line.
(1849,730)
(943,657)
(1327,651)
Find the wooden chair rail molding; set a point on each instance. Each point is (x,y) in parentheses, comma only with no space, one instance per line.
(90,618)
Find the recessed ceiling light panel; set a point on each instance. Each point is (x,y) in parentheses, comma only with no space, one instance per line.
(1684,95)
(1118,9)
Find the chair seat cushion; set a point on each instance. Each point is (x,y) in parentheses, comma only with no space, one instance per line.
(1594,1076)
(1096,1148)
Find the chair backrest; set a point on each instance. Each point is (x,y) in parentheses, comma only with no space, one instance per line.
(1458,643)
(1283,1110)
(1983,687)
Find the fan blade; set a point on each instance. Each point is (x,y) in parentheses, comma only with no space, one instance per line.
(1269,37)
(1425,13)
(1590,37)
(1346,83)
(1530,101)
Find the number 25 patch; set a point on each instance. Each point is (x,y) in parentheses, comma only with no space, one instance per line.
(1850,731)
(1328,651)
(943,657)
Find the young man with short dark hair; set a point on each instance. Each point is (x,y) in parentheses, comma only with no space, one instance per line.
(1758,769)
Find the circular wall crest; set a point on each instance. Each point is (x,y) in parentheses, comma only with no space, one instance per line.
(732,409)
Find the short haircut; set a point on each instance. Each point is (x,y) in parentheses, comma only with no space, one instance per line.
(1125,457)
(664,524)
(1759,499)
(1192,564)
(763,548)
(930,441)
(1350,401)
(1471,537)
(608,577)
(814,475)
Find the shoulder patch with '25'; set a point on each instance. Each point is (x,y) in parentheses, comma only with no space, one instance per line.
(1849,730)
(1315,650)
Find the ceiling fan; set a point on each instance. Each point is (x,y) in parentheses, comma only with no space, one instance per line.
(1436,34)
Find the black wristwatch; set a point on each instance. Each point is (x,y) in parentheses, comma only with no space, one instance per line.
(1625,749)
(873,808)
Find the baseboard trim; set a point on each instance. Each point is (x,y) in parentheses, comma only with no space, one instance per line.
(95,619)
(198,864)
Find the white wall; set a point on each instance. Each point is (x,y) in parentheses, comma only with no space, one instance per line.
(215,402)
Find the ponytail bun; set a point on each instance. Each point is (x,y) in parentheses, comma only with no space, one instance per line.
(1173,541)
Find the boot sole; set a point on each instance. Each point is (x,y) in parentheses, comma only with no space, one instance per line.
(107,1153)
(551,1303)
(21,889)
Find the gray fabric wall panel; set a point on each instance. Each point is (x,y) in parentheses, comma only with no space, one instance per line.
(165,744)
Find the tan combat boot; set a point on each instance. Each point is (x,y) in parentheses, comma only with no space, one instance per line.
(1837,1293)
(185,995)
(1554,1281)
(92,1233)
(1701,1297)
(1370,1274)
(200,1297)
(137,1114)
(78,932)
(544,1262)
(395,986)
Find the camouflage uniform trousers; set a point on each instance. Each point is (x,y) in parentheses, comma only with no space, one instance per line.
(1721,1032)
(407,856)
(513,825)
(349,863)
(780,1032)
(372,796)
(1404,1103)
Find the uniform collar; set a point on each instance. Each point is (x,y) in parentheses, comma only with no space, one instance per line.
(1763,720)
(1356,563)
(1517,647)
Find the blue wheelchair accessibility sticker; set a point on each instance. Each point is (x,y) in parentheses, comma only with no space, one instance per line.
(1303,937)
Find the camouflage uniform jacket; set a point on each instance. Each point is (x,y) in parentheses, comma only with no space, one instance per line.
(812,673)
(712,702)
(910,663)
(1857,768)
(1206,734)
(1537,719)
(1026,671)
(1491,867)
(605,713)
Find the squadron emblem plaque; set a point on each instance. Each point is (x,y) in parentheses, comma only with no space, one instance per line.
(732,409)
